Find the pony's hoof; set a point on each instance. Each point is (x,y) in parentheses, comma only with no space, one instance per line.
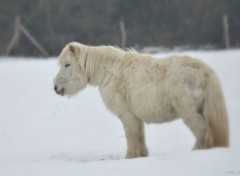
(137,155)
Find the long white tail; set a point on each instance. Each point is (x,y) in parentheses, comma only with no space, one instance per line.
(215,114)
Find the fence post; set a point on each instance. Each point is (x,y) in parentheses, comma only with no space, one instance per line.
(226,31)
(15,37)
(14,41)
(123,34)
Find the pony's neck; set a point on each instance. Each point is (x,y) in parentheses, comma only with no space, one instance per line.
(101,63)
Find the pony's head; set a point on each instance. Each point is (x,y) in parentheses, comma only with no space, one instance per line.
(71,77)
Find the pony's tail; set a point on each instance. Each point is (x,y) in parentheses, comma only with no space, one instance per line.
(215,114)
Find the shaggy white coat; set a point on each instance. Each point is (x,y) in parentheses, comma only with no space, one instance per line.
(138,88)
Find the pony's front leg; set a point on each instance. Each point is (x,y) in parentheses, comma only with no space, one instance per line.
(134,131)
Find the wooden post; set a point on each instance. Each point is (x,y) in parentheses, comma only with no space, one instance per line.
(15,37)
(123,34)
(20,28)
(33,40)
(226,31)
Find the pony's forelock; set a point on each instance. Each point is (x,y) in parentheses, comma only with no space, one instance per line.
(63,55)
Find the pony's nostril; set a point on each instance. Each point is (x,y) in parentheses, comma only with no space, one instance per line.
(55,88)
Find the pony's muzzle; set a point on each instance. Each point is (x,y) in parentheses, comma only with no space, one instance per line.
(59,92)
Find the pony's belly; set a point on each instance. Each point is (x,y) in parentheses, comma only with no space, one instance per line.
(150,115)
(158,119)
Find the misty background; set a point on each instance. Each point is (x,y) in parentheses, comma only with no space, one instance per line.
(165,23)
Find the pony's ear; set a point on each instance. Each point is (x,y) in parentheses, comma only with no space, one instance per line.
(73,49)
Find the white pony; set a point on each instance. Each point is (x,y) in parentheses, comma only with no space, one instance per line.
(138,88)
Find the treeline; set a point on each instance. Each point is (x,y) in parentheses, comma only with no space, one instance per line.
(165,23)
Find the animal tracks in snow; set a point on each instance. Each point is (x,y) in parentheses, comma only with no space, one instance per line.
(85,157)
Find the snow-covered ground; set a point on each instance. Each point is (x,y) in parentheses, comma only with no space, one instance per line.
(43,134)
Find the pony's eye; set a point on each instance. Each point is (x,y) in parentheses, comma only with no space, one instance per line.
(67,65)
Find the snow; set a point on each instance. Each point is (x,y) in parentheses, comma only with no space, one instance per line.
(43,134)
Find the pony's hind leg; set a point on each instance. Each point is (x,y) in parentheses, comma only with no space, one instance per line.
(134,131)
(195,121)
